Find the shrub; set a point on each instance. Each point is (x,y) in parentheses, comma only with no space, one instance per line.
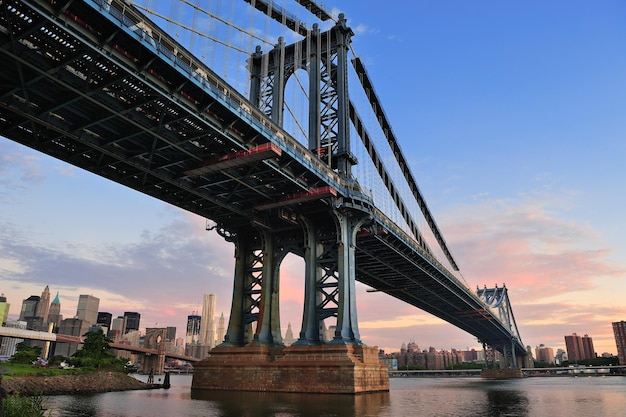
(19,406)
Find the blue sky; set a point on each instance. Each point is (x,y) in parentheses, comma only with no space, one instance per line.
(512,118)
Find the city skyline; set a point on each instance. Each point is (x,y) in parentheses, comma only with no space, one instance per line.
(510,117)
(194,334)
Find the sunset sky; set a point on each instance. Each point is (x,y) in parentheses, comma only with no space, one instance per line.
(513,118)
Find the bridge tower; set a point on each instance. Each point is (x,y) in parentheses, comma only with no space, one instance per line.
(252,356)
(512,361)
(154,363)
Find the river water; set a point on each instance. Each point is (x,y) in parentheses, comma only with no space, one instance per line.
(593,396)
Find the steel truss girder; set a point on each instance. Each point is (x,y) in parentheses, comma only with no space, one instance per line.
(127,115)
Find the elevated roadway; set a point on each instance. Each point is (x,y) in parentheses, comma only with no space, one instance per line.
(96,84)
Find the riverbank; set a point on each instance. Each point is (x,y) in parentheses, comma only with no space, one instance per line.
(73,384)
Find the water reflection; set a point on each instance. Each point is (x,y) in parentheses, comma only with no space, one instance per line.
(504,401)
(262,404)
(83,405)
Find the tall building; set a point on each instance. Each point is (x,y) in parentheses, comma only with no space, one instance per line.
(619,331)
(193,329)
(132,320)
(288,340)
(104,320)
(87,309)
(29,310)
(118,328)
(579,348)
(8,344)
(207,325)
(44,305)
(544,354)
(4,310)
(72,327)
(54,312)
(221,330)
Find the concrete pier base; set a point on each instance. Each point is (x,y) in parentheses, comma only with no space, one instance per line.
(333,369)
(501,373)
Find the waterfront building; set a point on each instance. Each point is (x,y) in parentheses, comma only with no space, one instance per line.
(54,312)
(4,310)
(544,354)
(579,348)
(619,331)
(43,306)
(207,326)
(8,344)
(132,320)
(87,309)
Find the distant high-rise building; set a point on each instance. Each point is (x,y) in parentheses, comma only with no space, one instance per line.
(579,348)
(132,320)
(87,309)
(29,310)
(4,310)
(289,339)
(54,312)
(44,305)
(544,354)
(104,320)
(207,325)
(118,328)
(619,331)
(221,329)
(193,329)
(170,334)
(8,344)
(72,327)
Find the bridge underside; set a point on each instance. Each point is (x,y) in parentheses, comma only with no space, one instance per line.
(408,274)
(87,82)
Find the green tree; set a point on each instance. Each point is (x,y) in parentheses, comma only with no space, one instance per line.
(24,353)
(96,353)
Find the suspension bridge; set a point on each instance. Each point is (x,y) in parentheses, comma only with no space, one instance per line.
(200,117)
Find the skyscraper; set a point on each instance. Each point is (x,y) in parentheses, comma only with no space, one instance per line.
(44,305)
(207,325)
(193,329)
(54,312)
(132,320)
(118,328)
(4,310)
(104,320)
(221,330)
(29,310)
(619,331)
(87,309)
(579,348)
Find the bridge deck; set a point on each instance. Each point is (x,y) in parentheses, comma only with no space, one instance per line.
(99,86)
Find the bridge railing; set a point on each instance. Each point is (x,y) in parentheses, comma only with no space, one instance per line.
(148,32)
(411,242)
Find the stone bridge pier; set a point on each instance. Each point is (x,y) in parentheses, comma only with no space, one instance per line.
(154,363)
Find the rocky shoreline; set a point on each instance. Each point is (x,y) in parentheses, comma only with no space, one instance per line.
(72,384)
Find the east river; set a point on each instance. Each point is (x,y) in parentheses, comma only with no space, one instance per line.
(597,396)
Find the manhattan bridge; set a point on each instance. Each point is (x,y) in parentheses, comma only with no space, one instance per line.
(261,118)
